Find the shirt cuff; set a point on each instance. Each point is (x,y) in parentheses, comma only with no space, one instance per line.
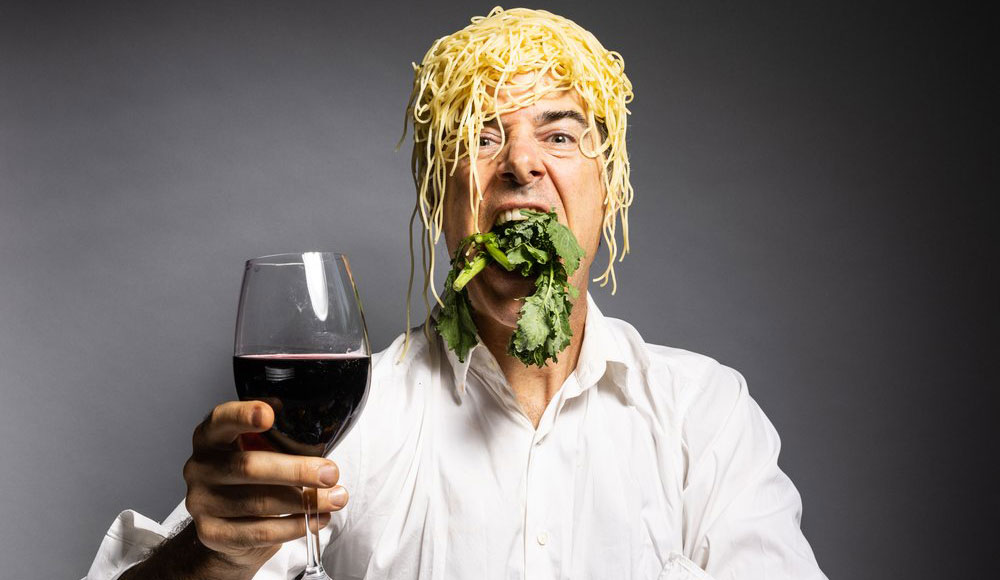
(680,568)
(127,542)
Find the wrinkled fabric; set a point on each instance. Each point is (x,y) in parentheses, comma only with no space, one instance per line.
(649,463)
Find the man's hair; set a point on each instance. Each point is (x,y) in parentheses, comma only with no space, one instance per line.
(454,95)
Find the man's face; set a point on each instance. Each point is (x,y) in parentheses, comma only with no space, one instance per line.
(539,167)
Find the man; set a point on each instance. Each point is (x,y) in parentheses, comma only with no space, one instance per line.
(618,460)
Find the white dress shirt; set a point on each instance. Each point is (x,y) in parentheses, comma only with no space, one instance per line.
(649,463)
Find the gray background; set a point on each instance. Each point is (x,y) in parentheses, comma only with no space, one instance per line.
(811,209)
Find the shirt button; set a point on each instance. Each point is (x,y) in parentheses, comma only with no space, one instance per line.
(543,538)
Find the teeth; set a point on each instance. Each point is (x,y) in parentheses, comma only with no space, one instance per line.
(509,215)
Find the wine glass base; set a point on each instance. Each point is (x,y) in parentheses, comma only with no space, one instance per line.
(313,574)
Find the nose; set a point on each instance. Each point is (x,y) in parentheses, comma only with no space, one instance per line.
(521,163)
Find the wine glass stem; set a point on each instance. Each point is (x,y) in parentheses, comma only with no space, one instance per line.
(314,569)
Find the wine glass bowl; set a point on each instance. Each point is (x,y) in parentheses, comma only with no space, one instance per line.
(316,397)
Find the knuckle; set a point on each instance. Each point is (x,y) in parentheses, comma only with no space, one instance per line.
(198,436)
(249,413)
(190,471)
(308,471)
(256,504)
(303,471)
(261,536)
(217,414)
(193,503)
(208,534)
(231,537)
(228,534)
(241,465)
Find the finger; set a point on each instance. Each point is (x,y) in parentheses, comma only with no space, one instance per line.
(268,468)
(233,501)
(230,535)
(228,420)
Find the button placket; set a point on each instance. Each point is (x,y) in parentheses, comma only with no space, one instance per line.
(539,555)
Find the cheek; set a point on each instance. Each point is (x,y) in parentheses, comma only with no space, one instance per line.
(457,218)
(582,193)
(592,241)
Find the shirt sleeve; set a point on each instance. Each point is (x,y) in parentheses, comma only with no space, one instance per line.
(126,543)
(132,536)
(741,512)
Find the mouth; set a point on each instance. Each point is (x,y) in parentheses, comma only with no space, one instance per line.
(512,213)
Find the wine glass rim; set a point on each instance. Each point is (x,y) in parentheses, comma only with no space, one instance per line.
(295,255)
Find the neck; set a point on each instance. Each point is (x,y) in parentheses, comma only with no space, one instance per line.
(534,387)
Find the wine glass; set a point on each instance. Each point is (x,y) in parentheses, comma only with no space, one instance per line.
(302,348)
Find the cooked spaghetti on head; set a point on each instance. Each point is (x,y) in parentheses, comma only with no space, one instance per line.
(454,96)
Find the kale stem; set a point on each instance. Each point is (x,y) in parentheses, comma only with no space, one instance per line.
(498,255)
(469,272)
(548,291)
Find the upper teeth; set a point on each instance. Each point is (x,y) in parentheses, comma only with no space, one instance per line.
(509,216)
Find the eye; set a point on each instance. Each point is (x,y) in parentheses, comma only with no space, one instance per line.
(561,138)
(488,140)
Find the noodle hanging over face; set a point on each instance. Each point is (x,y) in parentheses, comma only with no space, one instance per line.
(454,96)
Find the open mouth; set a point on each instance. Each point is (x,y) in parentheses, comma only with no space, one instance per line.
(510,215)
(509,212)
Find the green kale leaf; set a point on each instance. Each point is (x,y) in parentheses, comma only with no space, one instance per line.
(455,323)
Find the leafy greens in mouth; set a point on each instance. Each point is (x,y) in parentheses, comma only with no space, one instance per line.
(538,247)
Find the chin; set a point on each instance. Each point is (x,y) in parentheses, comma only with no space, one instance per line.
(497,294)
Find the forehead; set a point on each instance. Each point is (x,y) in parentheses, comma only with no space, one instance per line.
(523,86)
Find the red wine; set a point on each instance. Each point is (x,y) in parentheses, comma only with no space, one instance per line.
(316,397)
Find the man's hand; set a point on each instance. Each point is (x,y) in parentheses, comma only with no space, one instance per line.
(245,504)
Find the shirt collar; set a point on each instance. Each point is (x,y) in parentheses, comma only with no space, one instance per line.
(459,369)
(606,351)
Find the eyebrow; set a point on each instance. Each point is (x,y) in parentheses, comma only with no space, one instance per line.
(546,117)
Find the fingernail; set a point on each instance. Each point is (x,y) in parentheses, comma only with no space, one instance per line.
(338,496)
(255,416)
(328,475)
